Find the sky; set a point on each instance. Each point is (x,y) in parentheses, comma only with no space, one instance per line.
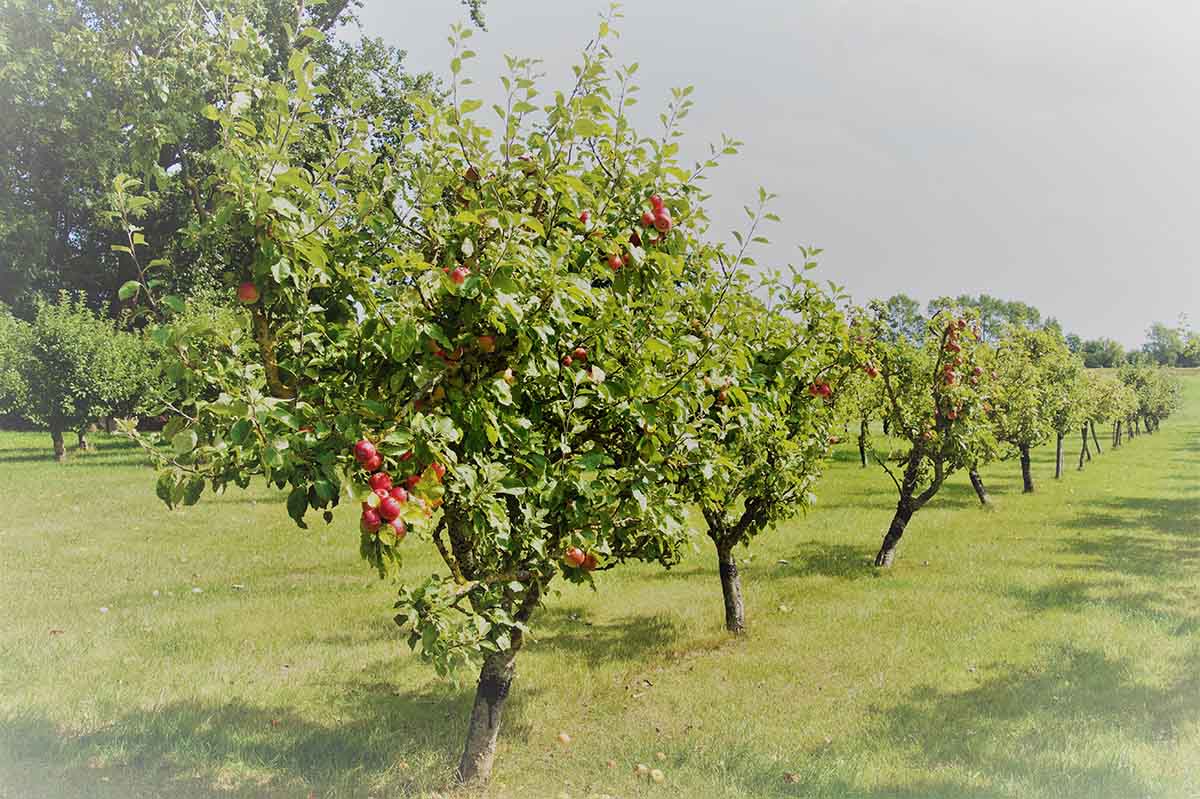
(1042,151)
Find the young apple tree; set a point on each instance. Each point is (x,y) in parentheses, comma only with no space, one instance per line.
(481,336)
(930,405)
(767,416)
(1021,394)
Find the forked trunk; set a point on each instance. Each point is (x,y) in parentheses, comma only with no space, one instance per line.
(1084,452)
(1095,440)
(1058,456)
(60,449)
(862,442)
(887,552)
(731,588)
(1026,470)
(977,484)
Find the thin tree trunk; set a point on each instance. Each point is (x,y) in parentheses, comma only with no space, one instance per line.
(977,484)
(862,442)
(1026,470)
(1116,434)
(110,424)
(491,694)
(60,449)
(1095,440)
(1084,452)
(84,444)
(731,588)
(887,425)
(1058,456)
(887,552)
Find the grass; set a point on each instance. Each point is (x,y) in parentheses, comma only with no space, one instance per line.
(1049,647)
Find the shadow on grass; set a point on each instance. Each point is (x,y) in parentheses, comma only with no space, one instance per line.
(815,558)
(629,638)
(215,748)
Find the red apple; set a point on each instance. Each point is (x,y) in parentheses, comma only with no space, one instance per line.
(370,521)
(459,275)
(407,456)
(247,293)
(580,354)
(614,262)
(363,451)
(662,222)
(567,360)
(584,217)
(389,508)
(380,480)
(574,557)
(399,528)
(656,202)
(399,494)
(977,371)
(373,463)
(590,562)
(647,219)
(438,469)
(486,343)
(412,481)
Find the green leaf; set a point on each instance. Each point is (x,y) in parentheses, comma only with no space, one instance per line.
(297,504)
(184,441)
(174,302)
(129,289)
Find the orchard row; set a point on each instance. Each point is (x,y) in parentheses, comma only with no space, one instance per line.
(523,349)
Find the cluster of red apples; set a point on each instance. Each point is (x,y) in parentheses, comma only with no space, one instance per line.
(384,504)
(657,218)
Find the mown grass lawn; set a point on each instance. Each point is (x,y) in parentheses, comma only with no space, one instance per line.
(1049,647)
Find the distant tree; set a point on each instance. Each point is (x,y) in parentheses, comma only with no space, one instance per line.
(902,318)
(72,366)
(995,315)
(1164,344)
(1101,353)
(1074,342)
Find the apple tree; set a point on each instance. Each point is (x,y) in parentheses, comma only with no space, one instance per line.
(1020,405)
(767,415)
(932,405)
(481,336)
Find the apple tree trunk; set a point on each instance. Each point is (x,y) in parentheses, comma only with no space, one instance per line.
(1095,440)
(1058,456)
(731,588)
(887,551)
(980,490)
(491,694)
(60,449)
(1085,452)
(84,444)
(862,442)
(1026,470)
(1116,442)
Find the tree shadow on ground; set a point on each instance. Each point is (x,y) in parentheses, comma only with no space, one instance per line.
(816,558)
(596,644)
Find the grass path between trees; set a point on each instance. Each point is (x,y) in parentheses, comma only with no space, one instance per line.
(1047,647)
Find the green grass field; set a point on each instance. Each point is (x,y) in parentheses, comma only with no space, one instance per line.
(1049,647)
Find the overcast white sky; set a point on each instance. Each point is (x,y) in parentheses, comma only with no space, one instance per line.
(1047,151)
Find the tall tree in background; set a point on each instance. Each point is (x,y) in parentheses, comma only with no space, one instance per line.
(995,315)
(902,319)
(93,88)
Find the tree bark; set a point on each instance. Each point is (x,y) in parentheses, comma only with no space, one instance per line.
(1084,452)
(887,551)
(887,425)
(1116,434)
(977,484)
(1026,470)
(1095,440)
(60,449)
(491,694)
(84,444)
(731,588)
(1058,456)
(862,442)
